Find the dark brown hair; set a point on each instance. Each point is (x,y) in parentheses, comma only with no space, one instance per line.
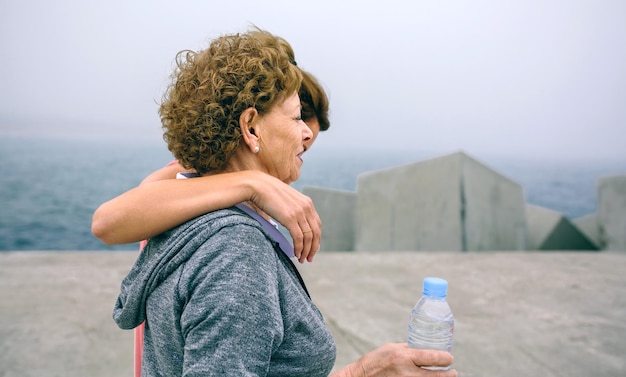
(314,100)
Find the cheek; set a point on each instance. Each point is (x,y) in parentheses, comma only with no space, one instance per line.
(292,140)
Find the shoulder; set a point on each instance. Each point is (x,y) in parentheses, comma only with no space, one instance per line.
(209,236)
(233,263)
(229,240)
(207,226)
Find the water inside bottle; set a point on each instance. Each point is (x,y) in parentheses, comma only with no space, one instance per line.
(427,332)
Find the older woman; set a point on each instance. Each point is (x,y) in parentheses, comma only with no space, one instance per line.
(219,293)
(161,202)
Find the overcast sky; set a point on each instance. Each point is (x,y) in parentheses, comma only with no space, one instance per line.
(531,78)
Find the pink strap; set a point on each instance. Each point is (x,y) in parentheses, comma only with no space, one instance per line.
(138,349)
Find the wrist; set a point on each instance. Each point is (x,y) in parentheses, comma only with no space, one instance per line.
(355,369)
(252,185)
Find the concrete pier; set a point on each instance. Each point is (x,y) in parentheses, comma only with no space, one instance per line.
(520,314)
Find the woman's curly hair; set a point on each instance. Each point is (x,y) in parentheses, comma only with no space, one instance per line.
(211,88)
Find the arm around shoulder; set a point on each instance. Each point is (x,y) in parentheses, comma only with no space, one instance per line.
(161,204)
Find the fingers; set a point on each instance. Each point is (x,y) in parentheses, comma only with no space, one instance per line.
(306,236)
(312,240)
(445,373)
(397,359)
(432,358)
(294,210)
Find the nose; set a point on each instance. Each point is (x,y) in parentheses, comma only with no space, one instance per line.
(307,135)
(313,126)
(308,143)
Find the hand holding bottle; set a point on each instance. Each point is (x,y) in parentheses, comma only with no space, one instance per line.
(397,359)
(431,324)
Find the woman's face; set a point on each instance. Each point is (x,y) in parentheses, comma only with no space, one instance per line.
(283,138)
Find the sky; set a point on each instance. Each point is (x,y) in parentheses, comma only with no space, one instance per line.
(537,79)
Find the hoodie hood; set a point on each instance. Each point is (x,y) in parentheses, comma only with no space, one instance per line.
(163,255)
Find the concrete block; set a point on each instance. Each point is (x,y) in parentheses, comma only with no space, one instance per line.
(337,210)
(448,203)
(589,226)
(495,216)
(612,212)
(551,230)
(394,213)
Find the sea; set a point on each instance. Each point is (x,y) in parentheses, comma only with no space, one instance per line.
(49,188)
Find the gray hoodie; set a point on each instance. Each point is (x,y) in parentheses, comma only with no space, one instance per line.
(219,298)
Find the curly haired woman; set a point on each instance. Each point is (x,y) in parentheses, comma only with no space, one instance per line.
(219,293)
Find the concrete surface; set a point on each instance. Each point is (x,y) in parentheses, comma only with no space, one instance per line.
(517,313)
(55,314)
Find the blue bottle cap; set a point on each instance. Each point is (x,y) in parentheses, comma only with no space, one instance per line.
(435,287)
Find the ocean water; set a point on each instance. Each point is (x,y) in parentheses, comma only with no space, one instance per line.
(49,189)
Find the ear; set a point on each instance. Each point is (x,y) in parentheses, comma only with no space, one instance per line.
(247,122)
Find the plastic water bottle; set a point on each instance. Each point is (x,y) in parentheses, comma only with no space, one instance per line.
(431,325)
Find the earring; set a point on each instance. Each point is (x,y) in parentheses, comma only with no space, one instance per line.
(256,149)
